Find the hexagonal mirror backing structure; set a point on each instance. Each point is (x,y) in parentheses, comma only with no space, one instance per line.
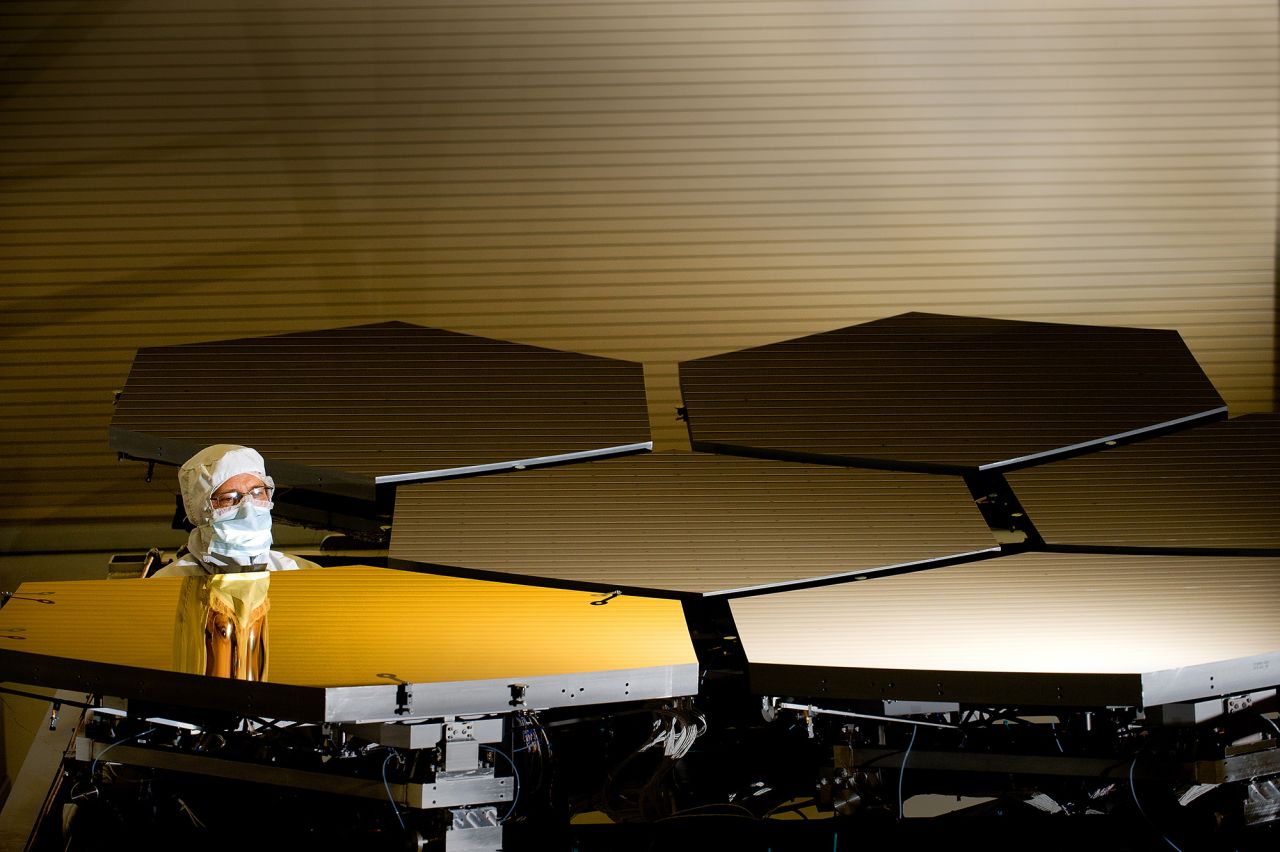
(934,392)
(1212,487)
(346,411)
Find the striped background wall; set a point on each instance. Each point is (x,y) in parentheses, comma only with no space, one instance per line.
(647,180)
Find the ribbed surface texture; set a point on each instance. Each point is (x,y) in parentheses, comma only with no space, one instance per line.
(1214,486)
(652,181)
(375,401)
(1049,613)
(346,626)
(687,523)
(942,390)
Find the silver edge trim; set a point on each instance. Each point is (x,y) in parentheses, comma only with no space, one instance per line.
(515,463)
(1217,679)
(1191,418)
(787,585)
(479,697)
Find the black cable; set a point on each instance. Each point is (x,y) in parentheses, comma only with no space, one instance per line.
(1133,789)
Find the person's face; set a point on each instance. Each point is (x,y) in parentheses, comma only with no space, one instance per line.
(235,489)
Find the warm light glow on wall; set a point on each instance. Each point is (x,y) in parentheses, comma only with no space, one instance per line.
(655,182)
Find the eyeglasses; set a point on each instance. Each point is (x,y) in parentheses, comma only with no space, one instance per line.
(227,499)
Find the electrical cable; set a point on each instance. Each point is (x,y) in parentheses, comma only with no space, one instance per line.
(729,809)
(1133,789)
(547,766)
(392,753)
(93,767)
(676,732)
(902,770)
(515,774)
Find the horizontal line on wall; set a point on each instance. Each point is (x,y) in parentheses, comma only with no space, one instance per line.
(416,79)
(744,16)
(628,234)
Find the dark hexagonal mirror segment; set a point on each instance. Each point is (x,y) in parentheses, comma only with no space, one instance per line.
(934,392)
(1214,487)
(680,524)
(349,411)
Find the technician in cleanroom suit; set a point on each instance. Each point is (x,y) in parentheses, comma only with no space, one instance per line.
(227,495)
(221,626)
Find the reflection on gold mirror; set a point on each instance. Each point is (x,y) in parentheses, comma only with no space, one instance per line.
(221,625)
(476,629)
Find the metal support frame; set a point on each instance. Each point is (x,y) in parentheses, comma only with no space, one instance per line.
(39,779)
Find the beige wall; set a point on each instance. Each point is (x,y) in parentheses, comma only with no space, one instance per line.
(648,180)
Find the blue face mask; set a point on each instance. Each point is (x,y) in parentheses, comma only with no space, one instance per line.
(243,531)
